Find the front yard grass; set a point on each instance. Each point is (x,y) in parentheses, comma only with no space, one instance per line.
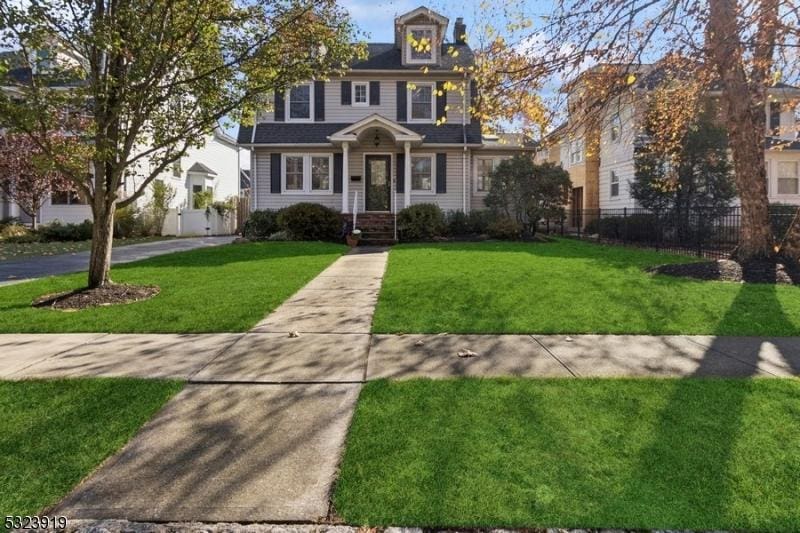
(57,432)
(14,250)
(616,453)
(218,289)
(568,287)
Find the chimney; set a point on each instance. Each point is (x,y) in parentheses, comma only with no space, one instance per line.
(460,31)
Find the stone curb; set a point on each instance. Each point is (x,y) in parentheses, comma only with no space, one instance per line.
(123,526)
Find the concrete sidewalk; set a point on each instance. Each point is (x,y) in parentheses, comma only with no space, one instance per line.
(37,267)
(276,357)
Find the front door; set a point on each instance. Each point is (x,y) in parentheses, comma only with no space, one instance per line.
(378,183)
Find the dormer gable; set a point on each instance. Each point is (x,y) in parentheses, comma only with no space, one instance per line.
(419,35)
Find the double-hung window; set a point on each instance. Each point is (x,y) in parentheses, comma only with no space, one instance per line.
(308,173)
(422,173)
(484,168)
(360,94)
(576,152)
(614,184)
(421,102)
(419,45)
(67,198)
(788,177)
(300,98)
(616,128)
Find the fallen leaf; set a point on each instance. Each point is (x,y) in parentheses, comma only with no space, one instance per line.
(467,353)
(419,343)
(294,334)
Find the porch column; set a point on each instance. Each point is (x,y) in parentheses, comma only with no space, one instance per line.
(345,176)
(407,177)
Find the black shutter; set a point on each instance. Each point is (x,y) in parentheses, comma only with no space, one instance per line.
(441,173)
(347,88)
(441,101)
(280,107)
(275,173)
(401,101)
(374,93)
(401,172)
(319,101)
(774,118)
(473,93)
(338,162)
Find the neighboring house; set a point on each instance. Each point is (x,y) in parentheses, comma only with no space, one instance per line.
(215,167)
(393,132)
(600,159)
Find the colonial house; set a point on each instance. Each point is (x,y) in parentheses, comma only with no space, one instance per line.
(393,132)
(216,167)
(599,154)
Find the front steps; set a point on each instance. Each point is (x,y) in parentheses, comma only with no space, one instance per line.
(377,229)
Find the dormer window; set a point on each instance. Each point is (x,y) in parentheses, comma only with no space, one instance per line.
(420,45)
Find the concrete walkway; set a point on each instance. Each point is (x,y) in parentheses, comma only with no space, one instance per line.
(257,433)
(37,267)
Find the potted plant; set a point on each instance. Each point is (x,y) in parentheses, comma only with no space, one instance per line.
(353,237)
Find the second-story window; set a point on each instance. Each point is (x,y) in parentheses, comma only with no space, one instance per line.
(616,128)
(300,102)
(576,152)
(419,44)
(360,94)
(421,102)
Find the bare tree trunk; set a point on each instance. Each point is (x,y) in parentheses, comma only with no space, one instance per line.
(104,205)
(745,119)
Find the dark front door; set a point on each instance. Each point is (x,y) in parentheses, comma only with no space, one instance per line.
(378,183)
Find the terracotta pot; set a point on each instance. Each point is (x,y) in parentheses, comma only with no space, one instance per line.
(352,240)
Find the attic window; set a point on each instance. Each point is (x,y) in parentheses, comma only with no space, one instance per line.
(419,44)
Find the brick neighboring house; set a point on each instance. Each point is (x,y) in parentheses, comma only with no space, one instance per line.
(387,135)
(601,177)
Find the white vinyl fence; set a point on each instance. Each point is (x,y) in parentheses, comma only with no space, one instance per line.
(188,222)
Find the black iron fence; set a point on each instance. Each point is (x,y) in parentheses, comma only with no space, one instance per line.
(706,232)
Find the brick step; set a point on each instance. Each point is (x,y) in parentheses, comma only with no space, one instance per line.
(365,229)
(379,235)
(376,242)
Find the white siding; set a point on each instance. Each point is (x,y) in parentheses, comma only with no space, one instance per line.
(617,156)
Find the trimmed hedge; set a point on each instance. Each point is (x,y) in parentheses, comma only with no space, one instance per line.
(421,222)
(311,222)
(261,224)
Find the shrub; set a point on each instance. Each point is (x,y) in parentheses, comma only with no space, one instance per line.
(261,224)
(311,222)
(421,222)
(640,227)
(56,231)
(505,229)
(14,232)
(457,223)
(202,199)
(479,220)
(126,222)
(280,236)
(157,209)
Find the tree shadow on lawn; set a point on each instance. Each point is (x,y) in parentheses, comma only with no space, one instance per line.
(699,431)
(236,253)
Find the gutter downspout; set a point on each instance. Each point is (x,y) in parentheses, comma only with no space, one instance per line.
(464,112)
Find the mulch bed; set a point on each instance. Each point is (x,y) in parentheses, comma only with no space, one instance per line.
(113,294)
(775,271)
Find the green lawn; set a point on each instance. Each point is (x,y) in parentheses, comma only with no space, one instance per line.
(12,250)
(223,288)
(57,432)
(643,453)
(565,287)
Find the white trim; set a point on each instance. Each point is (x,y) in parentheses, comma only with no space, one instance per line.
(288,104)
(353,102)
(306,157)
(408,48)
(364,177)
(778,178)
(424,192)
(409,102)
(613,179)
(615,123)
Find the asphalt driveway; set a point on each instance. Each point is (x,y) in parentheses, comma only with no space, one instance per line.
(39,267)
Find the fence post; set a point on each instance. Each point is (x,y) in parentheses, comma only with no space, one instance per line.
(579,220)
(624,225)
